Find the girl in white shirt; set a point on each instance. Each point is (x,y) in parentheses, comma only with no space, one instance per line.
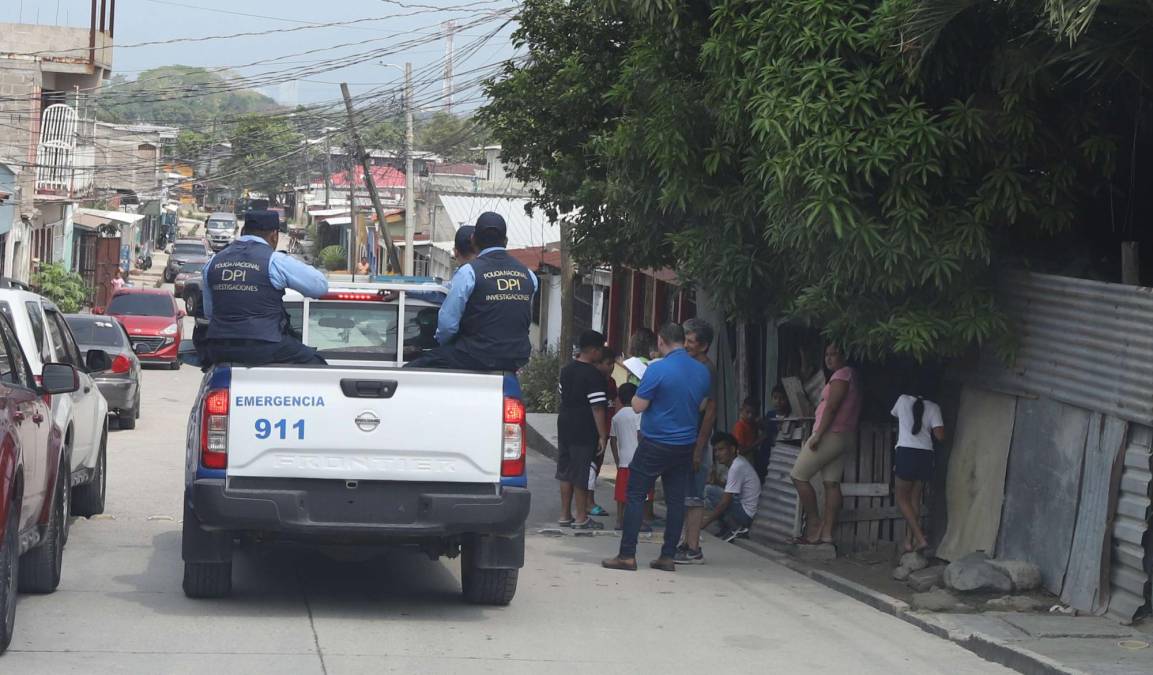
(919,422)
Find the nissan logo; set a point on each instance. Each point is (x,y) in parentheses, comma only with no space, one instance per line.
(367,421)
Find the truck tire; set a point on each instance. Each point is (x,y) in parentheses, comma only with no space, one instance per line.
(9,566)
(40,568)
(88,499)
(485,586)
(207,579)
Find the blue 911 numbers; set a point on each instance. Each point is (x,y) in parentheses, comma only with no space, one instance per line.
(265,429)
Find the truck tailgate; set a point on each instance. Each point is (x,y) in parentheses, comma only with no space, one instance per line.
(360,423)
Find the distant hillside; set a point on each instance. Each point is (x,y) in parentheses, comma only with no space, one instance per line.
(182,96)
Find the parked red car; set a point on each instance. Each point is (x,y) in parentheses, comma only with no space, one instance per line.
(152,319)
(34,473)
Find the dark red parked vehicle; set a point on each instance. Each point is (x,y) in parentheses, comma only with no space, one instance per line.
(34,471)
(152,319)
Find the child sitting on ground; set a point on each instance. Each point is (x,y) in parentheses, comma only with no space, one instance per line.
(734,505)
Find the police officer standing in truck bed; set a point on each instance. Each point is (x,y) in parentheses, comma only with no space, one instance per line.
(484,321)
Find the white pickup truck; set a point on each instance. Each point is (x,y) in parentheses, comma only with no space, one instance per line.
(361,451)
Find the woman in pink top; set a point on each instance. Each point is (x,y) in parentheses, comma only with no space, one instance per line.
(834,434)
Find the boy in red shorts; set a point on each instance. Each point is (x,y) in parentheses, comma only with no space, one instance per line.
(624,434)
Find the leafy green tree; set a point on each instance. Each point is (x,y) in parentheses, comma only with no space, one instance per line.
(866,166)
(62,287)
(268,154)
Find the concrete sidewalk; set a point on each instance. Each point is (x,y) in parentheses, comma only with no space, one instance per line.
(1028,643)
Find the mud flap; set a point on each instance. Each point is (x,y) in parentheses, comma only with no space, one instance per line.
(201,545)
(498,552)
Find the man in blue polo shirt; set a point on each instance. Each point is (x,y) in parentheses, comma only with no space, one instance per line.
(671,396)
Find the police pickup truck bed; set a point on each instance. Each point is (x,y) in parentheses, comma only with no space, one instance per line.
(358,452)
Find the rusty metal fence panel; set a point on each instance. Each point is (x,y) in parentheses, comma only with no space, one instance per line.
(1085,343)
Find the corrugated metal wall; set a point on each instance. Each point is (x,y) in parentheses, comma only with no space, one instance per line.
(1131,555)
(1089,344)
(777,511)
(1086,343)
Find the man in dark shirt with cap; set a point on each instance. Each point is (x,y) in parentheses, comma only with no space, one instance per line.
(484,321)
(243,297)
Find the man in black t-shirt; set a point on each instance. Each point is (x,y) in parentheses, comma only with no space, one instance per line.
(582,430)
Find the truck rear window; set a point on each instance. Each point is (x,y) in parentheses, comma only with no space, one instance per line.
(364,330)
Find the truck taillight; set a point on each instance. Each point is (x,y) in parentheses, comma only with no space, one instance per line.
(214,430)
(512,447)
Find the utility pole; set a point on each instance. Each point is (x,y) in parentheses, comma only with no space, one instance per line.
(567,277)
(449,29)
(381,227)
(327,171)
(409,183)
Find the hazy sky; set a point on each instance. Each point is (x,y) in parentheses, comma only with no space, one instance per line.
(406,26)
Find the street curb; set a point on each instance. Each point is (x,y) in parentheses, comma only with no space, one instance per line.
(989,648)
(539,443)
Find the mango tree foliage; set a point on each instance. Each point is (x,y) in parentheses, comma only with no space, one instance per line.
(818,158)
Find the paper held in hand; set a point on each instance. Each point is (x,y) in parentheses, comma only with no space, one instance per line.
(636,367)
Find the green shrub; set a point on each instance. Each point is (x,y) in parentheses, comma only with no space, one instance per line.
(540,381)
(333,257)
(66,289)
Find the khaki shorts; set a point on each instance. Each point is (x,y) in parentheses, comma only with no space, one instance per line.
(828,460)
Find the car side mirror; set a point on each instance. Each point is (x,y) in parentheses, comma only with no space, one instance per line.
(97,310)
(97,360)
(59,378)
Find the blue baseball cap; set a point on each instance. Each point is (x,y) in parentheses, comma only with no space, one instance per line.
(262,220)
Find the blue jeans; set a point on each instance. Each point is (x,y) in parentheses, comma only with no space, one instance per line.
(673,464)
(734,517)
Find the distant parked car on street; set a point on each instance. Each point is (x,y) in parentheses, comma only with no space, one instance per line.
(185,250)
(220,229)
(152,320)
(188,279)
(120,384)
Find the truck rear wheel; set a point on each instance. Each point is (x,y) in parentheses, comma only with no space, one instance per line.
(485,586)
(207,579)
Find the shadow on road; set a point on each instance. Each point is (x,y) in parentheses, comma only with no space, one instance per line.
(271,580)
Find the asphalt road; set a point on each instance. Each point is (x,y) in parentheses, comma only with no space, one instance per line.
(120,608)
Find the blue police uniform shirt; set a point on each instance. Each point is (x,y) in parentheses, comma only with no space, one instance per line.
(284,271)
(675,387)
(460,288)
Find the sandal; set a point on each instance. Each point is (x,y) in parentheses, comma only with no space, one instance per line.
(589,524)
(598,510)
(564,523)
(620,564)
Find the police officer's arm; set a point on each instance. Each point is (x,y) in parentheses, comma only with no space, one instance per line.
(284,271)
(448,322)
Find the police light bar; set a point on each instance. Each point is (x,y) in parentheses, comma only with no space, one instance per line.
(361,296)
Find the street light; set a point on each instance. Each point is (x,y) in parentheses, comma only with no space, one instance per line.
(409,197)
